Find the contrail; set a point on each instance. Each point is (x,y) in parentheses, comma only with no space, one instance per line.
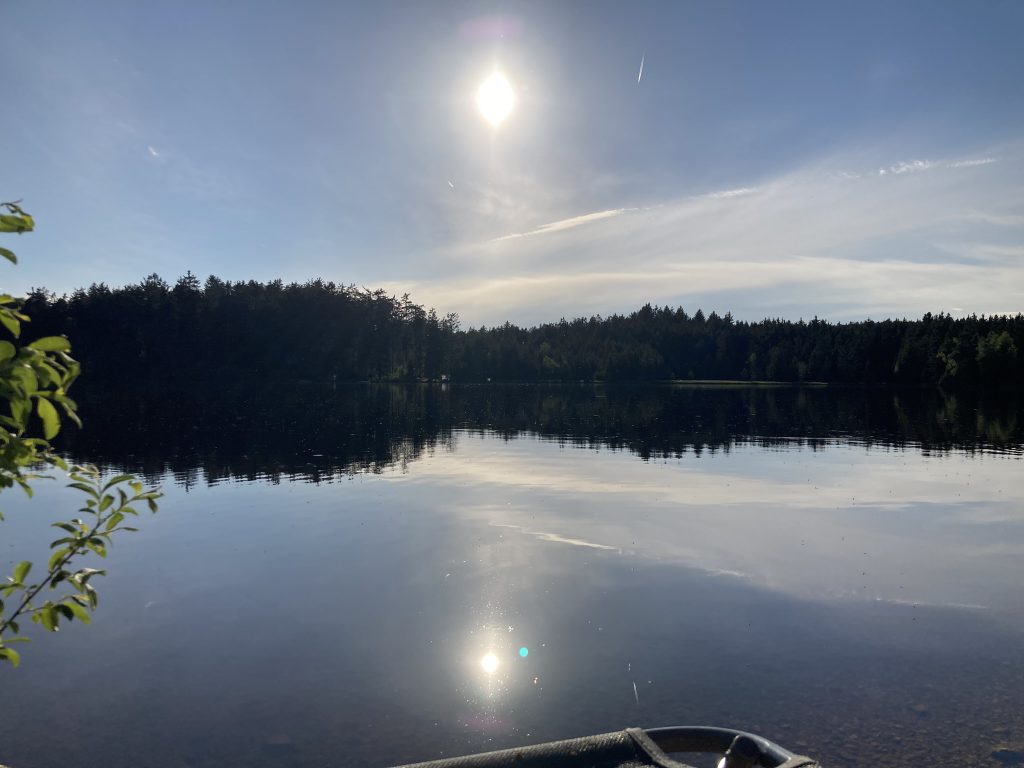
(644,56)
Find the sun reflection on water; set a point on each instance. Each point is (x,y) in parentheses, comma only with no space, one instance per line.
(490,663)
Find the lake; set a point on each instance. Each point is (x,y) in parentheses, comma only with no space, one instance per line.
(375,574)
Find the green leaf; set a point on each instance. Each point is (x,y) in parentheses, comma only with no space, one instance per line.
(9,255)
(85,574)
(66,401)
(56,556)
(97,546)
(7,351)
(10,324)
(10,655)
(85,488)
(24,377)
(21,571)
(48,617)
(79,612)
(51,420)
(115,480)
(20,409)
(51,344)
(18,224)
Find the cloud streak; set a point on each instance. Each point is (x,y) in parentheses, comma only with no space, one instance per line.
(927,235)
(558,226)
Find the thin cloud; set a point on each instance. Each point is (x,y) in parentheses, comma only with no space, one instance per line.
(558,226)
(727,193)
(911,166)
(1005,220)
(972,163)
(153,152)
(890,288)
(814,241)
(916,166)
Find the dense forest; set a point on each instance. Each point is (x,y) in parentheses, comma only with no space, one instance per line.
(153,333)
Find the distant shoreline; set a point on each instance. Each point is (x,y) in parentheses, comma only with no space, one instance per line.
(706,383)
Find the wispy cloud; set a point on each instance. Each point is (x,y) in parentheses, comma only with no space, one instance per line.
(910,166)
(153,152)
(840,244)
(916,166)
(732,192)
(972,163)
(1003,220)
(558,226)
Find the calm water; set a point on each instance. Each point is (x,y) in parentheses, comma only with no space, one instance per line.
(837,570)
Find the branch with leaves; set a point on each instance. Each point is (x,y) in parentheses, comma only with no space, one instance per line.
(35,378)
(106,508)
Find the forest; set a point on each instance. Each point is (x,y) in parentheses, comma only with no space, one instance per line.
(156,334)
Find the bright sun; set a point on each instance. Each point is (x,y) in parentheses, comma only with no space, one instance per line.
(495,99)
(489,663)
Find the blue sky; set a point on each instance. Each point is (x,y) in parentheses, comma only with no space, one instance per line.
(781,159)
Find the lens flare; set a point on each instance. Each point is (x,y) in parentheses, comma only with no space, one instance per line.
(489,663)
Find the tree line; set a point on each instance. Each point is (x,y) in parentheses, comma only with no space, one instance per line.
(195,332)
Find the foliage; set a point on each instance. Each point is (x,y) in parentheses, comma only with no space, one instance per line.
(191,331)
(35,378)
(106,507)
(668,343)
(318,330)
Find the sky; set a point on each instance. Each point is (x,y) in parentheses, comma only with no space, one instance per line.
(790,159)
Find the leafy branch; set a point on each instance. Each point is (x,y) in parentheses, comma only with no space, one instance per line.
(35,378)
(106,508)
(16,221)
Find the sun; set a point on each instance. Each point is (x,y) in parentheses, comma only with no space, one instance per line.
(495,99)
(489,663)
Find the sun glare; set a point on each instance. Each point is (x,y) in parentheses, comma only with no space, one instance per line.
(489,663)
(495,99)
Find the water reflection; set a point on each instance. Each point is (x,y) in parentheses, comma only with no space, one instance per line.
(844,523)
(319,433)
(839,571)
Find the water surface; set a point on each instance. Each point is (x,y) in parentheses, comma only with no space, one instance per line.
(836,569)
